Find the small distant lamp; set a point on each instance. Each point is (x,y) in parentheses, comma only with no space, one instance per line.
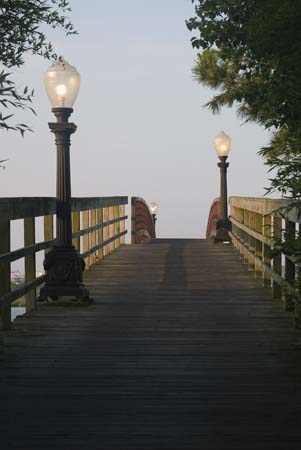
(222,145)
(153,206)
(63,265)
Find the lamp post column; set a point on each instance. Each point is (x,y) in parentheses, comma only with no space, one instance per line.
(154,216)
(223,165)
(222,144)
(63,265)
(223,225)
(62,130)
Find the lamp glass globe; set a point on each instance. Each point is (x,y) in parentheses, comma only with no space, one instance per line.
(62,82)
(222,144)
(153,206)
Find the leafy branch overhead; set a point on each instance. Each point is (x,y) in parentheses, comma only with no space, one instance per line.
(11,98)
(249,55)
(2,161)
(22,25)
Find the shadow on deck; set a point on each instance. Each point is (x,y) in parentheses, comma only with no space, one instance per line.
(183,349)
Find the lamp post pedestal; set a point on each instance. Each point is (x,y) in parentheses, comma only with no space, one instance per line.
(223,225)
(64,268)
(63,265)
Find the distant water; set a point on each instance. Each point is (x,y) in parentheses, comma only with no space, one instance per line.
(17,311)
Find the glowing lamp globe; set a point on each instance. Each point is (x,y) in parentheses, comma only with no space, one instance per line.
(153,206)
(222,144)
(62,82)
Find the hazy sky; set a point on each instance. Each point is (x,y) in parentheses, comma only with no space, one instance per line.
(142,129)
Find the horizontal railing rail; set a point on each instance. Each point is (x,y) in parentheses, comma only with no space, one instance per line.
(26,251)
(103,244)
(98,226)
(257,225)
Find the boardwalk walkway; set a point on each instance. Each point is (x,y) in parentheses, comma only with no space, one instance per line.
(182,350)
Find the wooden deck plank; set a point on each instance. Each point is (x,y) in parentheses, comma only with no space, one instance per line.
(182,350)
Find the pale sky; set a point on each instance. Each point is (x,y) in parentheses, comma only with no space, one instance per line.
(142,129)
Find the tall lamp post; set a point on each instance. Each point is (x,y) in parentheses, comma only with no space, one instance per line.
(63,265)
(153,206)
(222,144)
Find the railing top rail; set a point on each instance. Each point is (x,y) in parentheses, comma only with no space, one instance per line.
(21,207)
(265,206)
(84,203)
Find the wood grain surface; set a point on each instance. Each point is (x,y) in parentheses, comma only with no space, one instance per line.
(182,350)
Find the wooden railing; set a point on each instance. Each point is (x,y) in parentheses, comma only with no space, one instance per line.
(98,228)
(143,226)
(257,224)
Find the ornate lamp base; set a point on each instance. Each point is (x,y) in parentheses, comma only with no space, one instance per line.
(223,226)
(64,267)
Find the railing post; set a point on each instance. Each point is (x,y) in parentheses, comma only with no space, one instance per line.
(266,249)
(111,228)
(48,229)
(240,233)
(5,285)
(106,230)
(93,236)
(100,233)
(252,243)
(86,237)
(122,224)
(235,213)
(241,220)
(290,271)
(277,225)
(246,237)
(30,261)
(75,228)
(117,225)
(258,244)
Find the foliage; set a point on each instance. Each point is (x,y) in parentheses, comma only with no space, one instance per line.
(2,161)
(11,98)
(283,155)
(289,245)
(20,303)
(250,56)
(22,25)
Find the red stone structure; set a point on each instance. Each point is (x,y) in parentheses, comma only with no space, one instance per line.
(214,216)
(142,222)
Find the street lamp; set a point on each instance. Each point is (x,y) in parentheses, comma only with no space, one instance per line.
(63,265)
(153,206)
(222,144)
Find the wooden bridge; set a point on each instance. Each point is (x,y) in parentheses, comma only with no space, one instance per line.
(188,345)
